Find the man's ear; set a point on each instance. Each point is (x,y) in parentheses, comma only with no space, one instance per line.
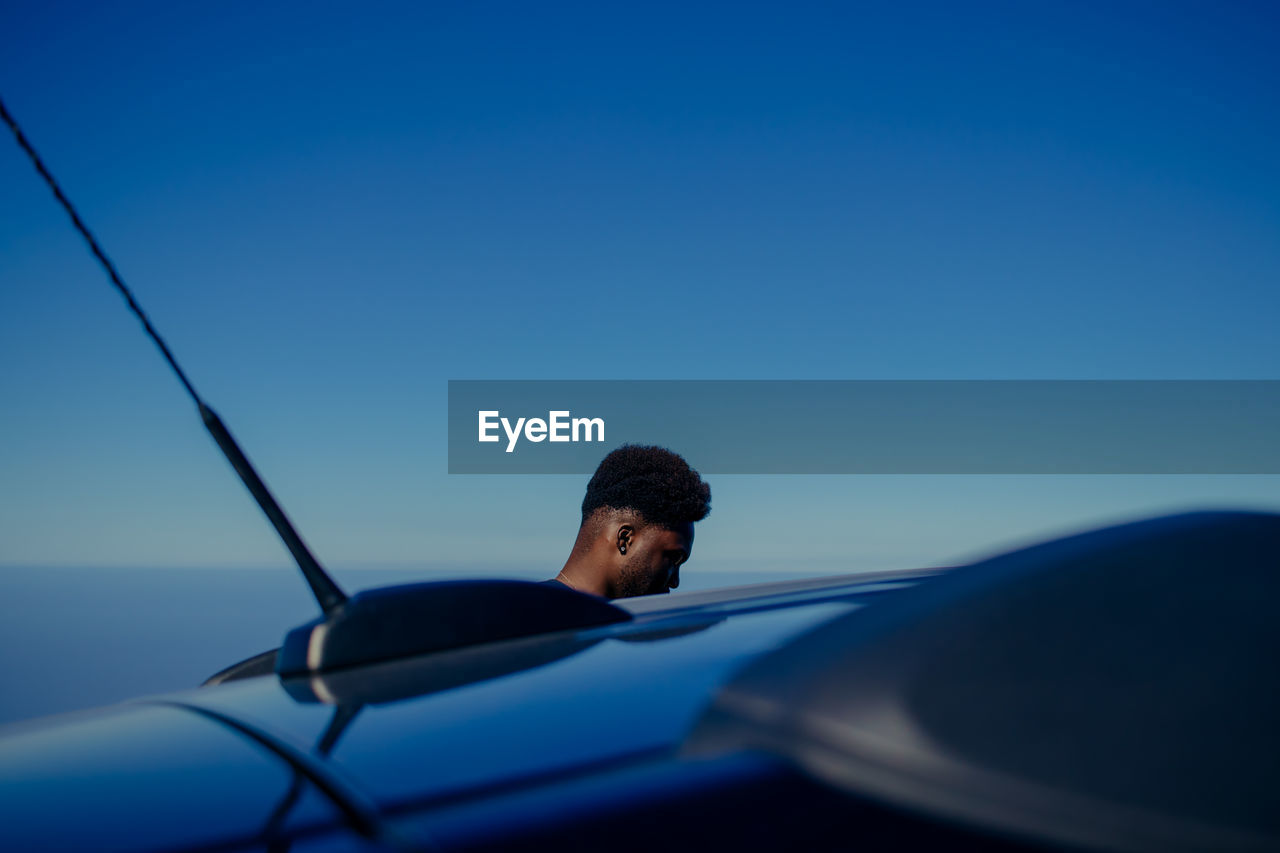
(625,534)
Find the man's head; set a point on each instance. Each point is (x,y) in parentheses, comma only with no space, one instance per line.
(637,523)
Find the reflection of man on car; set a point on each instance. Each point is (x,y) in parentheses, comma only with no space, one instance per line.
(637,524)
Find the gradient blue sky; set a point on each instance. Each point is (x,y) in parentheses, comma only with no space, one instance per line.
(329,211)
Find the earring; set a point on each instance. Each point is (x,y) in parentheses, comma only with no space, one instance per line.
(622,549)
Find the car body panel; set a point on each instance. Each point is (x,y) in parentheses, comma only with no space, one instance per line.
(147,777)
(409,736)
(871,712)
(626,694)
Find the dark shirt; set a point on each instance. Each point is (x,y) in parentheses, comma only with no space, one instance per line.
(556,582)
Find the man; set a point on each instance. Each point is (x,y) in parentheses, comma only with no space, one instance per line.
(637,524)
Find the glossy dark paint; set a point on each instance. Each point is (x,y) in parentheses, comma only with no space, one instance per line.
(146,777)
(1113,690)
(619,699)
(409,736)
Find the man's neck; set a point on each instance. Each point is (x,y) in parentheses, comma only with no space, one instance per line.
(581,578)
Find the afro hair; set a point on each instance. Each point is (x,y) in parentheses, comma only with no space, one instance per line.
(651,481)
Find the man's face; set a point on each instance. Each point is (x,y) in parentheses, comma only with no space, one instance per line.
(653,560)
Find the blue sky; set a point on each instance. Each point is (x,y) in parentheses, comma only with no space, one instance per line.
(329,211)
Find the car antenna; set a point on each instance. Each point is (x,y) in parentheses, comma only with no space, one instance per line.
(379,624)
(327,593)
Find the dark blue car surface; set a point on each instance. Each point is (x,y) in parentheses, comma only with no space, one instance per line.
(1112,690)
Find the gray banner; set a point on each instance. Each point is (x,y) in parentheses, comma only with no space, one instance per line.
(870,426)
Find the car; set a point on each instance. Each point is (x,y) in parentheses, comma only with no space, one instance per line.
(1109,690)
